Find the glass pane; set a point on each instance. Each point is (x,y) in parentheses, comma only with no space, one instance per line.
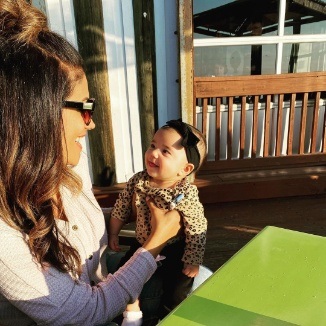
(227,18)
(234,60)
(305,17)
(304,57)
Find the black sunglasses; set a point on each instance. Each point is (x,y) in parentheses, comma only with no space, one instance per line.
(86,108)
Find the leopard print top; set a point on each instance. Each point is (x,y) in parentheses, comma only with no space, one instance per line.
(190,208)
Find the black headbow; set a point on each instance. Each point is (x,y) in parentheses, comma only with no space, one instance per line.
(189,141)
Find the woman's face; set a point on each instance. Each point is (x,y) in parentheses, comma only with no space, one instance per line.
(74,126)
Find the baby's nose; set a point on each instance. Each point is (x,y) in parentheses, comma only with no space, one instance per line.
(155,152)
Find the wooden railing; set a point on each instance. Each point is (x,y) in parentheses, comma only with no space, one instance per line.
(254,122)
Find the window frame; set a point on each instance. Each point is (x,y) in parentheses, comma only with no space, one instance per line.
(279,40)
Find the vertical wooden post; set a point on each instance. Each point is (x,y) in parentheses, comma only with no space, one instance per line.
(91,44)
(186,60)
(146,68)
(188,110)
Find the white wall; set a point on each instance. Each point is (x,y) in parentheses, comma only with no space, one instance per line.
(167,63)
(121,58)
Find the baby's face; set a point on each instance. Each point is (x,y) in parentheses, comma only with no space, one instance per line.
(166,158)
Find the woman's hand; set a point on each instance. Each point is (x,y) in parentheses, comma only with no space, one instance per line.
(165,225)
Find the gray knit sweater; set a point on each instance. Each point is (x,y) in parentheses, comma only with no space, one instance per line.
(30,295)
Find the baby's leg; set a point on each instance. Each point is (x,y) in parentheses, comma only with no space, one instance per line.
(176,285)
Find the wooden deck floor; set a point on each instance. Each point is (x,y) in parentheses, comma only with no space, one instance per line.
(232,224)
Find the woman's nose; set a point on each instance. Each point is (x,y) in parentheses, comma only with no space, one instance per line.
(91,125)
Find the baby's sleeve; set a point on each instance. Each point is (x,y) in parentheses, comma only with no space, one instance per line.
(122,207)
(195,227)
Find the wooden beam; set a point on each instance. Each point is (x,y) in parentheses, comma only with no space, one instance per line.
(211,167)
(146,71)
(186,60)
(260,84)
(91,44)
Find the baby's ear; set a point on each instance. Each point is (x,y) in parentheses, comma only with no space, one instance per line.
(189,167)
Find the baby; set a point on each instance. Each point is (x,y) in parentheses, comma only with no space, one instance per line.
(176,150)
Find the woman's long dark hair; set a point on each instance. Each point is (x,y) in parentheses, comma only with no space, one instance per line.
(38,70)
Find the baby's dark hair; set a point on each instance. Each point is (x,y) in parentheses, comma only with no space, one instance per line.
(193,139)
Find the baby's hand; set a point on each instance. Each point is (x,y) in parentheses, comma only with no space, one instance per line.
(114,242)
(190,270)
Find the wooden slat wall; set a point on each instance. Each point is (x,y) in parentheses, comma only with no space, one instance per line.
(263,90)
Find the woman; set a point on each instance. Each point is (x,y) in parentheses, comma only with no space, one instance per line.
(52,232)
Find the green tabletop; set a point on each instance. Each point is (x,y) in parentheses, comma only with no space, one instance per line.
(278,278)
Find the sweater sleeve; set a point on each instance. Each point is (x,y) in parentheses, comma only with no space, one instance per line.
(195,227)
(51,297)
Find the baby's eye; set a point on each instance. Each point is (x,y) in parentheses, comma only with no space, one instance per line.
(165,151)
(152,146)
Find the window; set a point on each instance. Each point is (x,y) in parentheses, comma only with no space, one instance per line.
(253,37)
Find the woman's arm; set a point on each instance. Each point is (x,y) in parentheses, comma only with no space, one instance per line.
(51,297)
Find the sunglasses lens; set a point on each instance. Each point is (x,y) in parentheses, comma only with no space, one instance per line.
(87,116)
(86,108)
